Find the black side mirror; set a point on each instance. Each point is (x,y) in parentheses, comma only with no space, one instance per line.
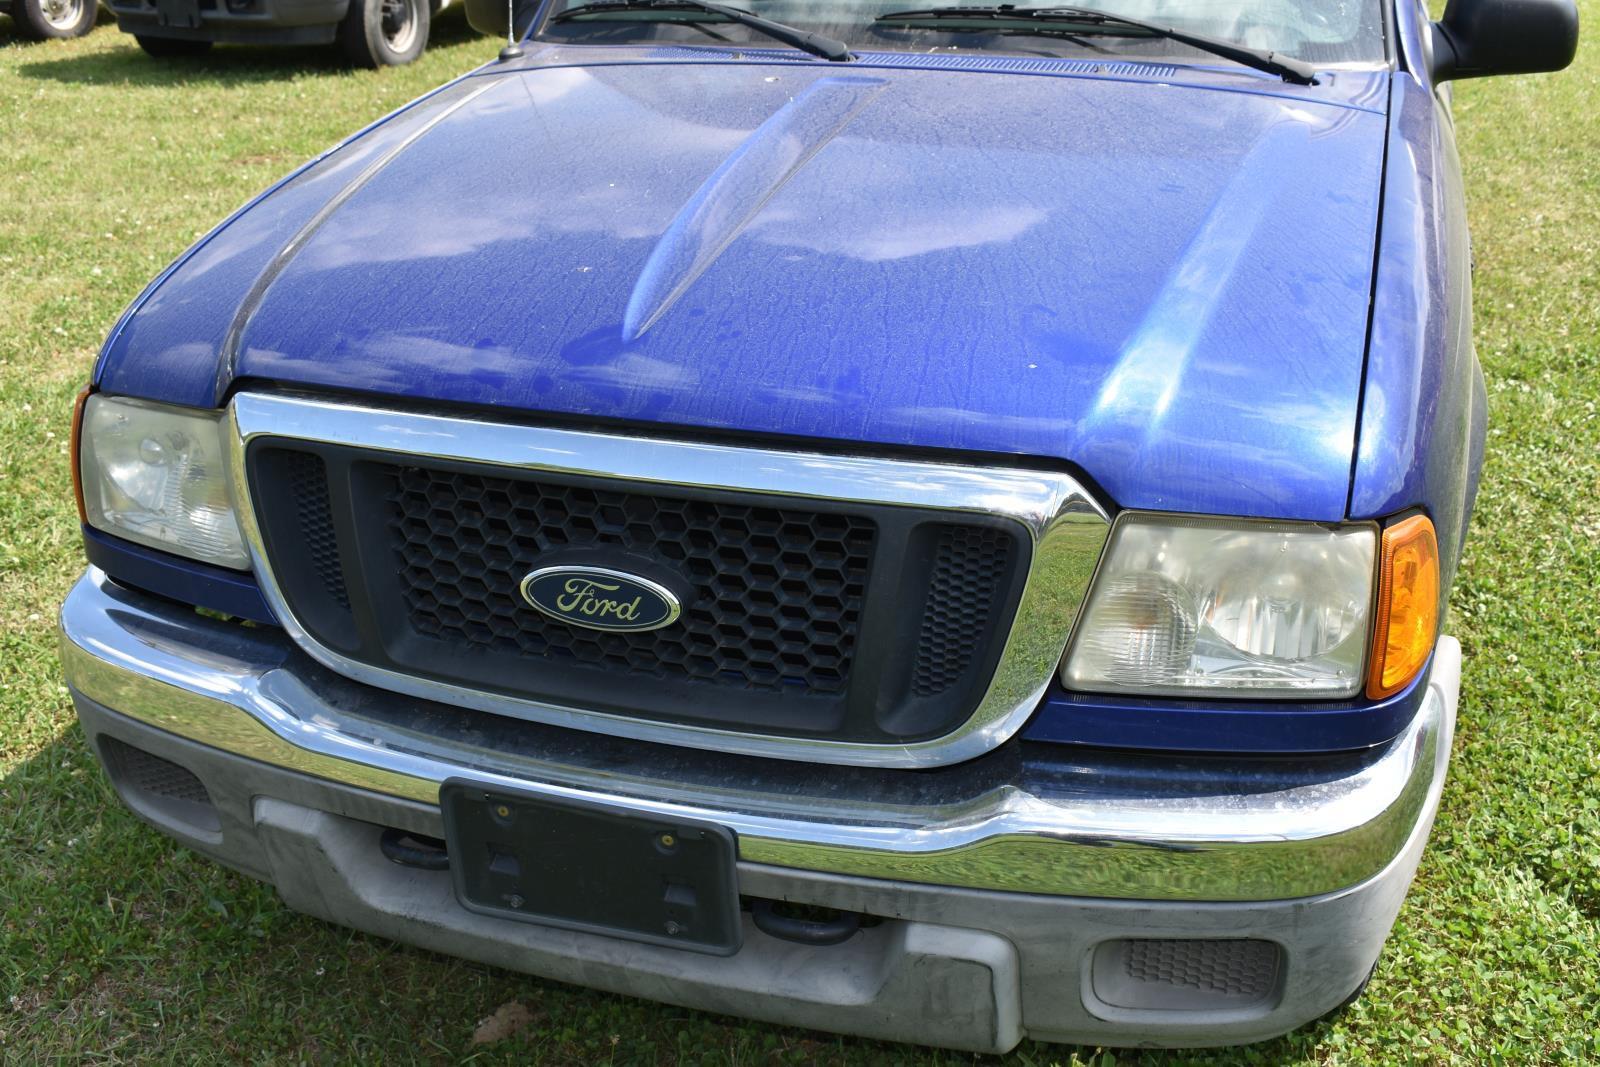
(494,18)
(1477,38)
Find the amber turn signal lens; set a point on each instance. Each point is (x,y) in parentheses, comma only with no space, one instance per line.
(76,450)
(1408,606)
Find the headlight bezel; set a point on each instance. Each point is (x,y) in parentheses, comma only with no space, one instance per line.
(1110,569)
(175,496)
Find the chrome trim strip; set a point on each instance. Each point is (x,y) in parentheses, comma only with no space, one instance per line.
(1067,527)
(1098,824)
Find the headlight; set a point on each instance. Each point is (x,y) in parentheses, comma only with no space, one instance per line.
(156,475)
(1234,608)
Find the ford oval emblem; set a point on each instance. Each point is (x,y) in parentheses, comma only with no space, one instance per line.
(601,599)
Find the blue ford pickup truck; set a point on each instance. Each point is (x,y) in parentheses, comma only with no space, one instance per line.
(932,524)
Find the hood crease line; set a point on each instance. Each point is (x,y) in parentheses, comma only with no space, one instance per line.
(744,183)
(228,362)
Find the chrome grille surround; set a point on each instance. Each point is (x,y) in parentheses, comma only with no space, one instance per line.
(1066,526)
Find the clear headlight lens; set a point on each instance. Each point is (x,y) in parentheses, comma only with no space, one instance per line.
(156,475)
(1244,609)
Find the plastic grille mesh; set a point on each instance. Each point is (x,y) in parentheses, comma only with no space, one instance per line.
(308,485)
(777,592)
(1241,968)
(152,774)
(969,564)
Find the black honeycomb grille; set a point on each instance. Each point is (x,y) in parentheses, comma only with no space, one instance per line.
(308,484)
(970,566)
(801,617)
(777,598)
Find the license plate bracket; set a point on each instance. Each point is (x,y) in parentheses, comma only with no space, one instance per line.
(596,868)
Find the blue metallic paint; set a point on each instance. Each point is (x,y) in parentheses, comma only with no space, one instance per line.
(1423,411)
(739,189)
(1161,275)
(983,287)
(1242,727)
(185,580)
(181,332)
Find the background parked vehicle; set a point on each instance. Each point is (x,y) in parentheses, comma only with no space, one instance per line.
(371,33)
(42,20)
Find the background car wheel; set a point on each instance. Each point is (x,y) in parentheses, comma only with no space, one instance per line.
(172,47)
(384,33)
(46,19)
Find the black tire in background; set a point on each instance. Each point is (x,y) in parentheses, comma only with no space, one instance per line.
(172,47)
(43,20)
(384,33)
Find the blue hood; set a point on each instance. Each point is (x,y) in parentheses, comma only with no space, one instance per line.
(1163,283)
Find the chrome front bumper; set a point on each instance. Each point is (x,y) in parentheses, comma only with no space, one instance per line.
(1025,818)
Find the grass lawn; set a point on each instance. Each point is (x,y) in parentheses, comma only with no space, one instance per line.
(117,944)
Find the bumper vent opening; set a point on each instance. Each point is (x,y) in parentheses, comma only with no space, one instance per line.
(160,789)
(1173,974)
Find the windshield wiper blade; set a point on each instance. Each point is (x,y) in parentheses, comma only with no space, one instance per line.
(1285,67)
(815,43)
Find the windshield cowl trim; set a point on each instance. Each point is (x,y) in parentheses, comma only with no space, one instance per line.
(1214,77)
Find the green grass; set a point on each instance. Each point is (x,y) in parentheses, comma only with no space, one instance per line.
(118,945)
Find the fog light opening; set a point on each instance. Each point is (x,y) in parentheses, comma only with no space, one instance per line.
(160,790)
(1187,974)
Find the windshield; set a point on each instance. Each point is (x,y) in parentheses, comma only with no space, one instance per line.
(1322,32)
